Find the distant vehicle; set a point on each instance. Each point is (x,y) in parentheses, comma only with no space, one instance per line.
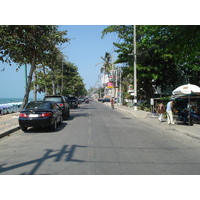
(82,99)
(104,100)
(40,114)
(87,100)
(73,102)
(79,101)
(62,102)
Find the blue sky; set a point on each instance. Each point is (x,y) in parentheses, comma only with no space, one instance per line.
(84,50)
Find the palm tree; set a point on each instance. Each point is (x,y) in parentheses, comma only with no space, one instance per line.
(107,65)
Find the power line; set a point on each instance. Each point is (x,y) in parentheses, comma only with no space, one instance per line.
(114,47)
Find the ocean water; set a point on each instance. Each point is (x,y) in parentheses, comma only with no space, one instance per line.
(12,100)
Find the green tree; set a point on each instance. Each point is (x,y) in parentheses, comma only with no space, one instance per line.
(65,72)
(159,54)
(29,45)
(183,42)
(107,63)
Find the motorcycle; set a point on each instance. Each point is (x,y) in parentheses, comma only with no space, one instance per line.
(188,118)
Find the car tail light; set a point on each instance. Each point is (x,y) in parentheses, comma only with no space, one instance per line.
(61,104)
(49,114)
(23,115)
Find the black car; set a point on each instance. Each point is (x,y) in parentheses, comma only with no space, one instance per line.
(73,101)
(62,102)
(40,114)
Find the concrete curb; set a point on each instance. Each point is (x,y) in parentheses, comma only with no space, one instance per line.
(9,131)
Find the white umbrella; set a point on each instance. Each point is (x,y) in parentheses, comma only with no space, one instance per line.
(186,89)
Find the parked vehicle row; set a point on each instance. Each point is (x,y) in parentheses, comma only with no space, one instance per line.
(47,113)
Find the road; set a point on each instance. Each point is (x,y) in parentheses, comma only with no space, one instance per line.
(99,140)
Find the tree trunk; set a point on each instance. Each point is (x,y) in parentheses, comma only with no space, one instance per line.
(26,96)
(35,86)
(53,82)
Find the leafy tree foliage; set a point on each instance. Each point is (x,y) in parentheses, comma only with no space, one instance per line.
(107,65)
(29,45)
(166,55)
(66,73)
(37,46)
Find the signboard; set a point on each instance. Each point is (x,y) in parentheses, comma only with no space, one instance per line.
(110,85)
(112,74)
(130,89)
(151,101)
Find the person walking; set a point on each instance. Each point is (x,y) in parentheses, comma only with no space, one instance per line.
(112,101)
(169,112)
(160,111)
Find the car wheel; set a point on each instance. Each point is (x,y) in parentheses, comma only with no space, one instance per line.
(61,120)
(65,116)
(54,125)
(24,128)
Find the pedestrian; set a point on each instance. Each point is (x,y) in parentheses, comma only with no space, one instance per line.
(112,101)
(169,112)
(160,111)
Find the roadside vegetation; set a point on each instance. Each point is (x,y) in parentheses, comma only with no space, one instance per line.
(167,56)
(39,47)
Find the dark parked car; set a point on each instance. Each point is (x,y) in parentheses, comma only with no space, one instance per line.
(40,114)
(62,102)
(104,100)
(73,101)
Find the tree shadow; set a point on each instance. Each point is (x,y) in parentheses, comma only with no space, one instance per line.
(66,151)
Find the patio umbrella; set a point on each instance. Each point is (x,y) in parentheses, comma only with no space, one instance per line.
(188,90)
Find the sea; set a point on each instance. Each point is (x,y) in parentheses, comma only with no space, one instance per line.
(13,100)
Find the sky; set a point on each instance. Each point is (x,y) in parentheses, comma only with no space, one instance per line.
(84,50)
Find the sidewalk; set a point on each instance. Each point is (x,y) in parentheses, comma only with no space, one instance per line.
(8,124)
(152,120)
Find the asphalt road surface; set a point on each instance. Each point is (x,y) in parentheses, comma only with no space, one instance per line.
(98,140)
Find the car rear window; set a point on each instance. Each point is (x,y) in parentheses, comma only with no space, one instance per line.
(39,105)
(55,99)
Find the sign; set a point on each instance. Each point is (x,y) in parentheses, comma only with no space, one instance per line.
(112,74)
(151,101)
(130,89)
(110,85)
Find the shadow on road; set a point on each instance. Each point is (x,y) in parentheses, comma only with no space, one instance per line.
(66,151)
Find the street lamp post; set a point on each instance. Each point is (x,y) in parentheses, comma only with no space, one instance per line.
(135,68)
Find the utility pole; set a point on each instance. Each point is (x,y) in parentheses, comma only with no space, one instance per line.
(135,69)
